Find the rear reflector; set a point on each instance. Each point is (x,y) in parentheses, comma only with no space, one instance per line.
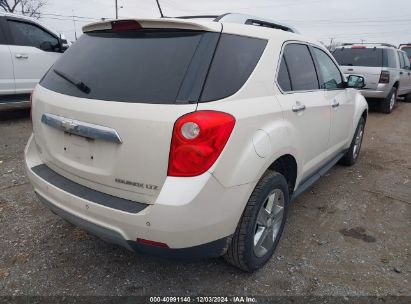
(385,77)
(152,243)
(125,25)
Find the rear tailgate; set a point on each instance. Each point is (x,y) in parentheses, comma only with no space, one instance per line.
(103,115)
(134,169)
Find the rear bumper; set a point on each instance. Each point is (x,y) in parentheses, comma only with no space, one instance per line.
(374,94)
(381,92)
(195,217)
(211,249)
(14,105)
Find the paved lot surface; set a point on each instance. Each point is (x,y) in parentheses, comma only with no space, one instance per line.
(348,235)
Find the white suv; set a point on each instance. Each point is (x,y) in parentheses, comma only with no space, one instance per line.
(189,138)
(27,51)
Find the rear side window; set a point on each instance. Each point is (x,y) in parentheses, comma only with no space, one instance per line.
(390,58)
(283,78)
(370,57)
(234,61)
(300,67)
(407,50)
(406,61)
(402,62)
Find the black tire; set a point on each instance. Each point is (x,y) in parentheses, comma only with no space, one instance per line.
(387,106)
(350,157)
(241,252)
(407,98)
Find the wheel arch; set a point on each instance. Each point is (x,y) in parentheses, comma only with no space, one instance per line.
(396,84)
(288,167)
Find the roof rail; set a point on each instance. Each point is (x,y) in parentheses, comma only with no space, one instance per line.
(198,16)
(246,19)
(371,43)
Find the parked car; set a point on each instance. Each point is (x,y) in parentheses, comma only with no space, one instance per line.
(27,51)
(385,68)
(407,49)
(187,138)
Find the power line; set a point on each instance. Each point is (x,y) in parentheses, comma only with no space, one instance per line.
(70,16)
(177,6)
(69,19)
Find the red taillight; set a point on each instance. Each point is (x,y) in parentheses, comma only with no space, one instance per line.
(125,25)
(384,77)
(31,107)
(152,243)
(198,140)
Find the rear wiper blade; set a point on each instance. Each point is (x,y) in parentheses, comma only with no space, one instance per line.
(77,83)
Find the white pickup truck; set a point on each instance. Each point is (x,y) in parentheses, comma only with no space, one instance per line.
(27,51)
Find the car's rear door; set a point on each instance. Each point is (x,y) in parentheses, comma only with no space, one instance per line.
(305,109)
(30,61)
(6,63)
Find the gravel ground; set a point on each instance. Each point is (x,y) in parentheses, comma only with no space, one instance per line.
(350,234)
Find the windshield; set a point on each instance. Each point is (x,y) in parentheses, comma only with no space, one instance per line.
(369,57)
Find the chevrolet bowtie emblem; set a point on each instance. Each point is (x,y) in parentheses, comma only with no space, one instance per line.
(68,125)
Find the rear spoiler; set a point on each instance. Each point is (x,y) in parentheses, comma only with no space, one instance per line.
(169,23)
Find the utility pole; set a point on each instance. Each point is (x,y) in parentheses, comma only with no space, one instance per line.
(116,10)
(331,44)
(74,23)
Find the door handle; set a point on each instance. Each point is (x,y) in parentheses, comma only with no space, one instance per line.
(335,104)
(299,107)
(22,56)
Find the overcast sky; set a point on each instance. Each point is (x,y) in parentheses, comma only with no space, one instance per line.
(343,20)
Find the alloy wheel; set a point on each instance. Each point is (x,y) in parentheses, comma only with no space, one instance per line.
(358,141)
(269,219)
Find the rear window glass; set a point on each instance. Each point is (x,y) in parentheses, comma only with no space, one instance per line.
(370,57)
(146,66)
(155,66)
(233,63)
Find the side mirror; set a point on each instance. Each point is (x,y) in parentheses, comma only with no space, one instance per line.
(47,46)
(63,44)
(355,82)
